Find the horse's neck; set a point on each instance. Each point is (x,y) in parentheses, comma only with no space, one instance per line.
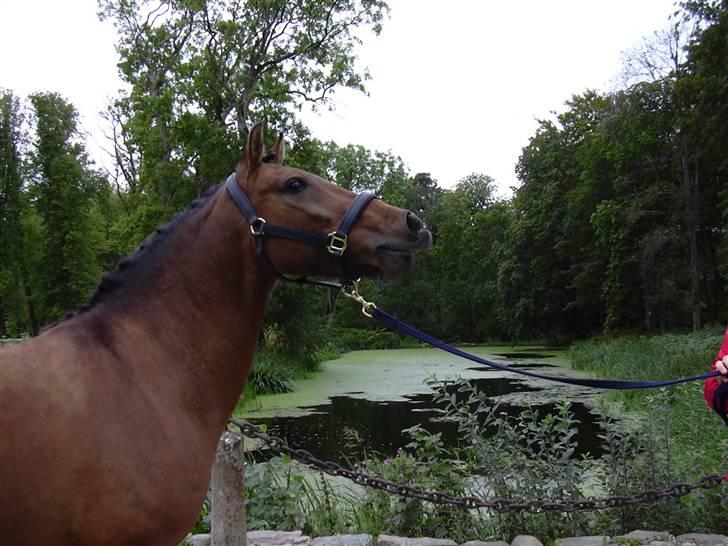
(193,324)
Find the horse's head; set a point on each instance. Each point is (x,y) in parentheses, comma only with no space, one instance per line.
(380,240)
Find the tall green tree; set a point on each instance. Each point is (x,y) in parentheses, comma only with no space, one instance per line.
(626,190)
(703,98)
(199,72)
(65,191)
(11,206)
(546,279)
(469,229)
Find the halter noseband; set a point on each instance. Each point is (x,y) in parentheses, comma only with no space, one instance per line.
(335,242)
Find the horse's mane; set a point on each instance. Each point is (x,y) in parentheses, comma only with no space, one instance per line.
(112,281)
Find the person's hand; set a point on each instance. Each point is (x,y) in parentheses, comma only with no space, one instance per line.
(722,367)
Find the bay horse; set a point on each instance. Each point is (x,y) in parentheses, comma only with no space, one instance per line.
(109,420)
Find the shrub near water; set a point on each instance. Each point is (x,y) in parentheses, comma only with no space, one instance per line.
(281,495)
(270,374)
(427,465)
(357,339)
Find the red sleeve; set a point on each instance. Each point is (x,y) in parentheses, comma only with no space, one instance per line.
(711,385)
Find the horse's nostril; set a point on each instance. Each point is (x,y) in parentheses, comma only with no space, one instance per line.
(414,224)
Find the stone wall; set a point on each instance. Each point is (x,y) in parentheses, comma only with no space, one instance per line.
(635,538)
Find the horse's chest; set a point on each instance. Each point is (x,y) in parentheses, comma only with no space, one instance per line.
(151,492)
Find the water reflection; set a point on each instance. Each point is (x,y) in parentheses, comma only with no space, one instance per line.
(350,427)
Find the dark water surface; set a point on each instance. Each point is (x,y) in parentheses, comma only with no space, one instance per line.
(349,427)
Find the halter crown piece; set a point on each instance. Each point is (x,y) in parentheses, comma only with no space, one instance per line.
(335,242)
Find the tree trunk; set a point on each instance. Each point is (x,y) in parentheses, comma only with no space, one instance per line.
(3,332)
(648,314)
(165,158)
(690,192)
(332,296)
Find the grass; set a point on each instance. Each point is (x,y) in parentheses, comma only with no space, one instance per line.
(271,374)
(648,358)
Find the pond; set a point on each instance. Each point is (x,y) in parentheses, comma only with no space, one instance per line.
(361,402)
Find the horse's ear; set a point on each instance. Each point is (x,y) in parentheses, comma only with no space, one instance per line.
(279,150)
(253,155)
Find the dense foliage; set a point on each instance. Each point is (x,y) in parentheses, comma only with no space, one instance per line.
(54,214)
(618,225)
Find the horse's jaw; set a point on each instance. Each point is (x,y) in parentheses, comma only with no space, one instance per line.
(393,258)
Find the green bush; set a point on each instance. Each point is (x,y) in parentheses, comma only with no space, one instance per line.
(523,458)
(378,512)
(283,496)
(696,433)
(358,339)
(274,492)
(678,441)
(270,374)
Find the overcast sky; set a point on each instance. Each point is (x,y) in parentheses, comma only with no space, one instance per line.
(457,86)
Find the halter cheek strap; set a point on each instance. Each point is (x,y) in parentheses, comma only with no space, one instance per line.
(335,242)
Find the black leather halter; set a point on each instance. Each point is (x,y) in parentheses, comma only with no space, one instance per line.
(335,242)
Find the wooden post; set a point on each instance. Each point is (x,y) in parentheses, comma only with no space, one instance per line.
(228,492)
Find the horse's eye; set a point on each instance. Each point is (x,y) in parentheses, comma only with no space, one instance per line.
(294,185)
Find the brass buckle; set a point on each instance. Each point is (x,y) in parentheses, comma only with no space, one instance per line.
(337,243)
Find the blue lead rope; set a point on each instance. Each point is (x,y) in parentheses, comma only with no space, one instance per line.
(397,325)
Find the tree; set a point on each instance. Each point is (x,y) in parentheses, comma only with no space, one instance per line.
(676,58)
(11,205)
(657,57)
(473,194)
(548,267)
(199,72)
(64,190)
(647,189)
(470,228)
(421,194)
(703,99)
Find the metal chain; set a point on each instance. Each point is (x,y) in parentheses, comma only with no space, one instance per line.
(499,505)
